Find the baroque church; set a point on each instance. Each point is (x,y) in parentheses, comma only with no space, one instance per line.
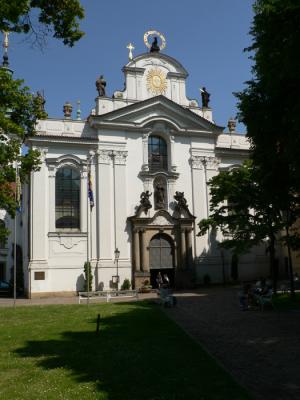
(130,182)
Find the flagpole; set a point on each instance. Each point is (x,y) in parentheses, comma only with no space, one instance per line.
(90,205)
(87,232)
(15,236)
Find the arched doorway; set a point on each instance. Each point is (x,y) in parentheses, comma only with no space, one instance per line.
(161,258)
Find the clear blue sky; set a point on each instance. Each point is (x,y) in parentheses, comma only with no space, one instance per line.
(207,37)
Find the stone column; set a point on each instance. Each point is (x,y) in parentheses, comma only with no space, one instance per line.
(52,216)
(39,212)
(171,154)
(189,250)
(183,249)
(145,266)
(104,204)
(120,202)
(199,199)
(145,166)
(136,250)
(83,200)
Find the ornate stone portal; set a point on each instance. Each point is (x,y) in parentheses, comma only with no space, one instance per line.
(177,230)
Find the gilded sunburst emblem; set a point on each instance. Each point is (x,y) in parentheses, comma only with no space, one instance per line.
(156,81)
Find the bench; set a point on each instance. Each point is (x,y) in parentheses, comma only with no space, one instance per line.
(106,295)
(265,299)
(166,297)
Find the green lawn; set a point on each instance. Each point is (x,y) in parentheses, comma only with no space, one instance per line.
(284,302)
(53,352)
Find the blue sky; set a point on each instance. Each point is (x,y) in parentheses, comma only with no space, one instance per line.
(207,37)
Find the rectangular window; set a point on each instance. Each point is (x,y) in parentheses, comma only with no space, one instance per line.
(39,276)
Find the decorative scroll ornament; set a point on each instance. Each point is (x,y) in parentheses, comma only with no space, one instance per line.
(156,81)
(120,157)
(157,34)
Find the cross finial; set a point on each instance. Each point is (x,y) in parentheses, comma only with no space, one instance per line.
(130,47)
(5,41)
(78,112)
(5,62)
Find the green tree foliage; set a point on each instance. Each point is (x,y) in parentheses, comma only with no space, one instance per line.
(19,109)
(41,17)
(243,211)
(270,104)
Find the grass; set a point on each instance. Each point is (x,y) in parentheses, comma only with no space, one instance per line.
(54,352)
(284,302)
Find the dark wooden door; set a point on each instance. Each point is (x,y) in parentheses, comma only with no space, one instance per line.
(161,252)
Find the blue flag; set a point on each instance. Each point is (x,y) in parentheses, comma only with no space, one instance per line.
(90,191)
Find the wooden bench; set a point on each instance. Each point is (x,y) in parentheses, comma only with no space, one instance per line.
(106,295)
(265,299)
(166,297)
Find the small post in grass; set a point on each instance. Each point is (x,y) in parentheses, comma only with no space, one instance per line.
(98,324)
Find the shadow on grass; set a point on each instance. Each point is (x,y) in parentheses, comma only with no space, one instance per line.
(138,354)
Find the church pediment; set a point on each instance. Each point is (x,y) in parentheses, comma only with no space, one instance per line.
(162,218)
(159,108)
(158,60)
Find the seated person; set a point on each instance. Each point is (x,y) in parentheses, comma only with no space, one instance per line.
(245,297)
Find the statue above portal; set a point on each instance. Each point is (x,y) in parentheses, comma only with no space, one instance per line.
(100,85)
(145,203)
(181,201)
(159,197)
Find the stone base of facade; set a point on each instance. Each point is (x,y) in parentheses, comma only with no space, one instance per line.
(43,295)
(185,279)
(139,279)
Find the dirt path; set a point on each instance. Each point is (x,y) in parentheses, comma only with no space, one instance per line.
(260,349)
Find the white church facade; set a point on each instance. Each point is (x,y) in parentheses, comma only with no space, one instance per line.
(131,177)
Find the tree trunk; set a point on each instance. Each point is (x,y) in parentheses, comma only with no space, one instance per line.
(273,263)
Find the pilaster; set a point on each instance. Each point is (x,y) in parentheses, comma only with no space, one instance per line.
(83,199)
(39,212)
(120,201)
(104,204)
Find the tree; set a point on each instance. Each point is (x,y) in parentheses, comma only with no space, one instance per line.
(243,211)
(19,109)
(270,104)
(88,277)
(38,18)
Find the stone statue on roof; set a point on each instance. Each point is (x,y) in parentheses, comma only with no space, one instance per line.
(100,85)
(205,97)
(154,47)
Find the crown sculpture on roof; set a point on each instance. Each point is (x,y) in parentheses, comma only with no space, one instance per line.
(154,47)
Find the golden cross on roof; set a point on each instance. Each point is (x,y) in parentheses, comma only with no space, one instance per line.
(130,47)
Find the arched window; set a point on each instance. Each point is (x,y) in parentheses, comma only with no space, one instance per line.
(157,153)
(67,199)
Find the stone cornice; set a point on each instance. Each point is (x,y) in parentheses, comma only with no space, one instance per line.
(133,70)
(230,152)
(202,161)
(62,139)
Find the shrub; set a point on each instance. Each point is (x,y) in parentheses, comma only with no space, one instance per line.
(88,276)
(126,284)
